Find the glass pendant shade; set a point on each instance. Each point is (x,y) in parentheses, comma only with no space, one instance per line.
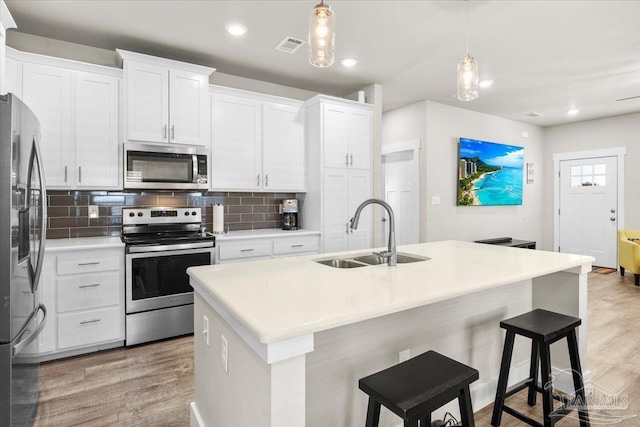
(467,79)
(322,24)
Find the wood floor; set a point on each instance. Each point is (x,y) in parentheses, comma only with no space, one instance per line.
(152,385)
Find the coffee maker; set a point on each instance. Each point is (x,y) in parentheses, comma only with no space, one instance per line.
(289,211)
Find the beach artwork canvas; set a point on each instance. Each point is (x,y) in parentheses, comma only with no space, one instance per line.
(489,174)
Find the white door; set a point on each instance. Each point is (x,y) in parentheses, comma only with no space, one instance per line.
(588,208)
(336,136)
(359,191)
(283,148)
(335,206)
(188,112)
(359,123)
(401,191)
(147,95)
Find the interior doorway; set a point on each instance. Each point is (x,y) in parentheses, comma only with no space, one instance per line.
(401,189)
(589,204)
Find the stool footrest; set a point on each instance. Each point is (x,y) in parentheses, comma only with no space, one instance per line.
(521,417)
(517,387)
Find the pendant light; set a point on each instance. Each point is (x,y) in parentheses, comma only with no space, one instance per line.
(322,24)
(467,73)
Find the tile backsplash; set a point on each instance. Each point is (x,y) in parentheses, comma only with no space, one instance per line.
(68,211)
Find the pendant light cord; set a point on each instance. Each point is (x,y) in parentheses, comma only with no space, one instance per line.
(467,1)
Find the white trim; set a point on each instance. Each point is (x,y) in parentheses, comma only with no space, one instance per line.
(618,152)
(6,20)
(223,90)
(69,64)
(163,62)
(270,353)
(412,144)
(334,100)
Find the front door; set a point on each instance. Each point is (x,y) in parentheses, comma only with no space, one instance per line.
(589,208)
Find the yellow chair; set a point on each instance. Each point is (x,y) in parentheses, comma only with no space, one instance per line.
(629,253)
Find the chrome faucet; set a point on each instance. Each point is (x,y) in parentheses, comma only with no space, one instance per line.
(390,254)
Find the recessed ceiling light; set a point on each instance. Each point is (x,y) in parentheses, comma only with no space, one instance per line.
(573,112)
(236,29)
(349,62)
(485,83)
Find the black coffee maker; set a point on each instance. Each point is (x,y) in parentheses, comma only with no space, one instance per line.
(289,211)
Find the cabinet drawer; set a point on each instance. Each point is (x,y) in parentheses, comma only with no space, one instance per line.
(89,327)
(292,245)
(89,262)
(245,249)
(89,290)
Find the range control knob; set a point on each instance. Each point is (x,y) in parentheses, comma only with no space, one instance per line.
(132,214)
(194,213)
(186,213)
(139,213)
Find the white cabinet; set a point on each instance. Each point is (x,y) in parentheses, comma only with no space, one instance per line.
(257,143)
(339,143)
(166,101)
(84,295)
(254,248)
(6,22)
(78,110)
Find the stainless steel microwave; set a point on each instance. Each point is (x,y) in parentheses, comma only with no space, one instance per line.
(165,166)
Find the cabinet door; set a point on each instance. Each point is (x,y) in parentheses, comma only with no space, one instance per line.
(13,78)
(188,112)
(360,139)
(147,95)
(283,162)
(236,153)
(47,91)
(96,131)
(335,227)
(335,132)
(359,191)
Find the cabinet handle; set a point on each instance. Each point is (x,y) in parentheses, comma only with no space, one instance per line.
(89,263)
(65,174)
(89,286)
(351,160)
(247,250)
(258,180)
(164,132)
(79,173)
(266,180)
(84,322)
(297,246)
(346,159)
(173,132)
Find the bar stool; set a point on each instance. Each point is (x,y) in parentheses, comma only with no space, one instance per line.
(415,388)
(544,328)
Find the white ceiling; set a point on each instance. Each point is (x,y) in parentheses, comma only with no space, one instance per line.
(545,56)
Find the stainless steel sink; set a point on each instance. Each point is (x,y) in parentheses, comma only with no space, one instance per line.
(369,259)
(342,263)
(373,259)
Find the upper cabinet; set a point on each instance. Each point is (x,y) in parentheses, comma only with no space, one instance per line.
(257,142)
(347,136)
(77,106)
(165,100)
(6,22)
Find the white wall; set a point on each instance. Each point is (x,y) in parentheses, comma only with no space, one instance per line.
(612,132)
(439,127)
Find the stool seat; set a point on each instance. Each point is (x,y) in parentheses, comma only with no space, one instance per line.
(541,325)
(419,385)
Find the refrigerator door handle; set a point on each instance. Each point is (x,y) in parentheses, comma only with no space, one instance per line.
(36,157)
(19,346)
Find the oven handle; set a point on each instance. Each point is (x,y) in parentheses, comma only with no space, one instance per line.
(136,249)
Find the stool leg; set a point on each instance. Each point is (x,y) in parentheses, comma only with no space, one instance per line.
(373,413)
(411,423)
(507,352)
(425,421)
(578,384)
(466,410)
(533,373)
(547,394)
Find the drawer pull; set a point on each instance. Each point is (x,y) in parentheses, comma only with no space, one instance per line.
(89,286)
(89,263)
(297,246)
(84,322)
(247,250)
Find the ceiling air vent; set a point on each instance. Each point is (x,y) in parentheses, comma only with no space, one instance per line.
(289,44)
(532,114)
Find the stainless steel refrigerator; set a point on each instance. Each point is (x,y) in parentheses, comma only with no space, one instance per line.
(22,238)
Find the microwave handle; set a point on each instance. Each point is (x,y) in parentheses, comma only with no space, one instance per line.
(194,162)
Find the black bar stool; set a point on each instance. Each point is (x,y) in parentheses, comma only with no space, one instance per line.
(544,328)
(415,388)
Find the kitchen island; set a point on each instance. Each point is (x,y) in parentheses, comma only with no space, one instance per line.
(298,334)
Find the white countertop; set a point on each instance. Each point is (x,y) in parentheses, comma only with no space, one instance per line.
(82,243)
(285,298)
(263,233)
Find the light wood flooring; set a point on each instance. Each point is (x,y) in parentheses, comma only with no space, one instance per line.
(152,385)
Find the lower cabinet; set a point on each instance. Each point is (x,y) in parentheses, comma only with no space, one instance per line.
(83,291)
(251,249)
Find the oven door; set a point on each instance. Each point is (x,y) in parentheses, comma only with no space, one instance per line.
(156,280)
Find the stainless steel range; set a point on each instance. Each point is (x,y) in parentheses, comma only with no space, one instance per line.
(160,244)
